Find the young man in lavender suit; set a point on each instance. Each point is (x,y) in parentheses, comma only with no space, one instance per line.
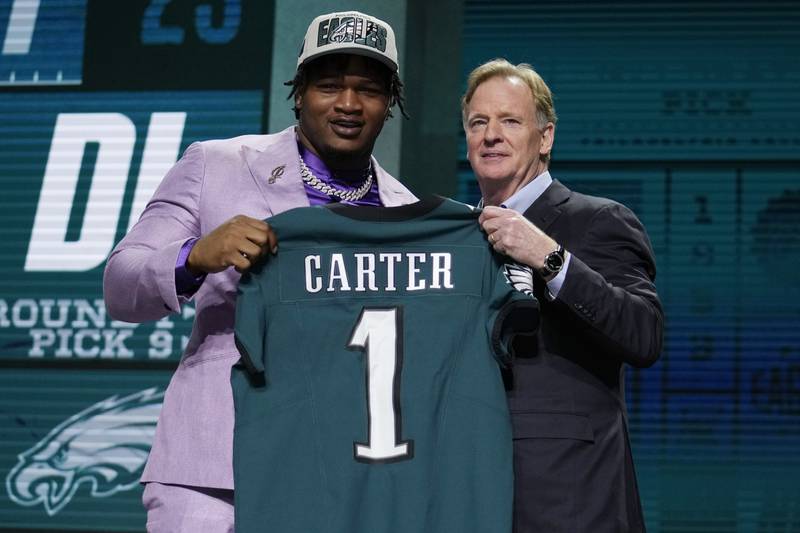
(204,227)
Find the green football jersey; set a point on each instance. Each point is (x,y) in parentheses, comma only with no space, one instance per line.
(369,396)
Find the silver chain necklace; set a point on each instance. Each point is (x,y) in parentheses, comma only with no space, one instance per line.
(346,195)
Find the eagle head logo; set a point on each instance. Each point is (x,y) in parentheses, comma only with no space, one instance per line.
(103,447)
(345,32)
(520,277)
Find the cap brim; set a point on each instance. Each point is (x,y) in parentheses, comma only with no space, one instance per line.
(357,52)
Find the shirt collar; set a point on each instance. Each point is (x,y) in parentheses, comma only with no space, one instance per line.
(521,200)
(323,173)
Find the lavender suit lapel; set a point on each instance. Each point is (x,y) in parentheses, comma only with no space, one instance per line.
(276,173)
(391,191)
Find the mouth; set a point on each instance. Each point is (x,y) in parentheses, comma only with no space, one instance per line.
(348,128)
(492,156)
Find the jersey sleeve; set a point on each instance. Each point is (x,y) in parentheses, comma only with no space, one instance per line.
(250,320)
(514,310)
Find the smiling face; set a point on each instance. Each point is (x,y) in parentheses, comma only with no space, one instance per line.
(505,141)
(342,109)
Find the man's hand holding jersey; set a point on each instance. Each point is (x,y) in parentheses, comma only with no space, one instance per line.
(240,242)
(515,236)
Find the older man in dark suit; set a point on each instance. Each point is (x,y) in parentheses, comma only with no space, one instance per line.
(594,271)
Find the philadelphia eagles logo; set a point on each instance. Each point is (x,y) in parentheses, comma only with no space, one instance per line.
(520,277)
(345,32)
(104,447)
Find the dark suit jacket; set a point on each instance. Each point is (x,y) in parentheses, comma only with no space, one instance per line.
(572,458)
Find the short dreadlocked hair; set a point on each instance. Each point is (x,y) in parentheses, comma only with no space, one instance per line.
(395,86)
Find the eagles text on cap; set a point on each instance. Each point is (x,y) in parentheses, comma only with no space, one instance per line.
(352,30)
(350,33)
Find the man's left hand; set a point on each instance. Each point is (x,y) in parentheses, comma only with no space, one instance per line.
(512,234)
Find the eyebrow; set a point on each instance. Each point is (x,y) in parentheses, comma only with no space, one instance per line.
(340,75)
(504,114)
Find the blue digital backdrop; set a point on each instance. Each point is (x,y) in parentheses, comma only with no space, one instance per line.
(42,42)
(687,112)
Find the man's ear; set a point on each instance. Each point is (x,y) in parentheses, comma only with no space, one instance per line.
(298,101)
(548,135)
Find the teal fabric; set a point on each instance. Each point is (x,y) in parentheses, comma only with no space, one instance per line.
(296,467)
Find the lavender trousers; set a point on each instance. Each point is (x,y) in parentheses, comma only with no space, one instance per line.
(183,509)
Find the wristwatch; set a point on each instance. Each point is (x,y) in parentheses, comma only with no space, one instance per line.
(553,262)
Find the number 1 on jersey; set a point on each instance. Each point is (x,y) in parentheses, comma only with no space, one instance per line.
(378,333)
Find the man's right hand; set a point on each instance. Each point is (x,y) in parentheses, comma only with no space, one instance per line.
(240,242)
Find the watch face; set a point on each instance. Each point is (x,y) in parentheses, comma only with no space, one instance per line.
(554,262)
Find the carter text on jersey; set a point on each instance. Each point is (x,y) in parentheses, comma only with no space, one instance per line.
(338,272)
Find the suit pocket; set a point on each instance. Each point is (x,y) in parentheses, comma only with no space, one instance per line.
(543,425)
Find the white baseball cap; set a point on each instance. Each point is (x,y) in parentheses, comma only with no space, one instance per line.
(350,32)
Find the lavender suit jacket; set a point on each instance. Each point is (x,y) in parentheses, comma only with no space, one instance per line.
(254,175)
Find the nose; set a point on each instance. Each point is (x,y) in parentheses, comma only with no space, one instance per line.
(348,101)
(492,133)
